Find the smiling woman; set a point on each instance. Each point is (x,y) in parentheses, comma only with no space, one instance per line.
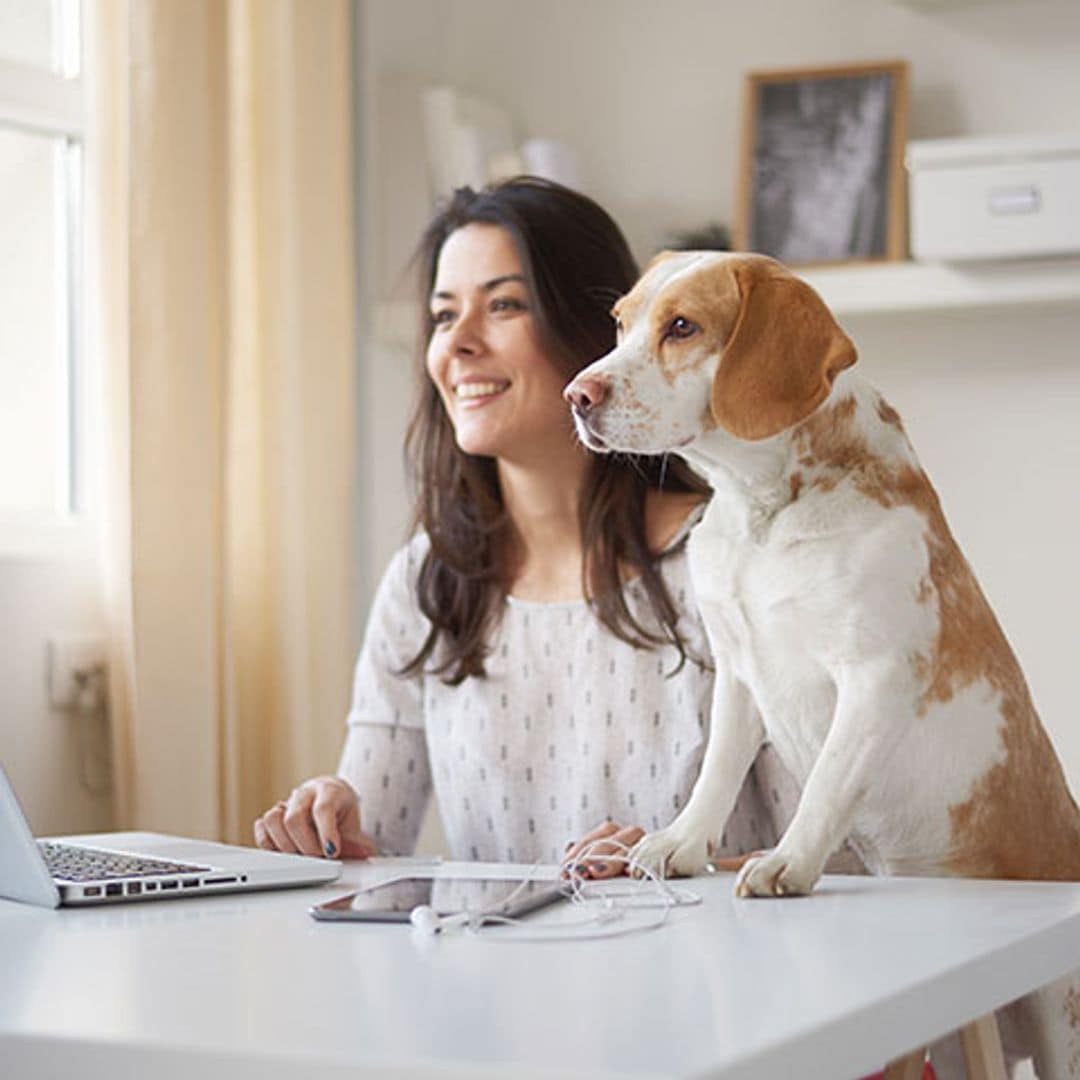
(520,279)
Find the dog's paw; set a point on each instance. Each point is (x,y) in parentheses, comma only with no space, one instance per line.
(677,851)
(775,873)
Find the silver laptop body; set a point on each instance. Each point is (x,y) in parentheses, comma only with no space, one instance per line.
(117,867)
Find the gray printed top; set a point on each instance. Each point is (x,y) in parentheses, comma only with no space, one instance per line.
(569,727)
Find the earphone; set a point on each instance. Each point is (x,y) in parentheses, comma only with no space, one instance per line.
(609,912)
(428,921)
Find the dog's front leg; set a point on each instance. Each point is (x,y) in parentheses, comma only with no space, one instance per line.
(735,736)
(874,707)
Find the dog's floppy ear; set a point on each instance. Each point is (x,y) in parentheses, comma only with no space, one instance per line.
(781,357)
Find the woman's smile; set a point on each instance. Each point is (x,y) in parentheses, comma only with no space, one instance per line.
(473,393)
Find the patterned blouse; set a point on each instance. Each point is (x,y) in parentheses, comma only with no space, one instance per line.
(570,726)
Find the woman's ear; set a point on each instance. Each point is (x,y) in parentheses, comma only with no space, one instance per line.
(781,357)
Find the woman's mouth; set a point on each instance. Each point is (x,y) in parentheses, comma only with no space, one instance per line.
(479,392)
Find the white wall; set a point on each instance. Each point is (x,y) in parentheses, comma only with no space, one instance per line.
(45,752)
(650,95)
(650,92)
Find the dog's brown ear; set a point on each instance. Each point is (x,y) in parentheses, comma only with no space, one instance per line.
(781,357)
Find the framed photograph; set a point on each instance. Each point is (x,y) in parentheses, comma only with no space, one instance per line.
(822,176)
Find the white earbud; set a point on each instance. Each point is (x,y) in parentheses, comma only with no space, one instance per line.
(429,921)
(424,919)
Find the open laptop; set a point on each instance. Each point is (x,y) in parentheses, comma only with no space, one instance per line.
(112,867)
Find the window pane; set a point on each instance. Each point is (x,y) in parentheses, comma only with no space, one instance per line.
(35,428)
(41,33)
(26,32)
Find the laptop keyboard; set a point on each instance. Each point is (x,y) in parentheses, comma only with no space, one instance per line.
(72,863)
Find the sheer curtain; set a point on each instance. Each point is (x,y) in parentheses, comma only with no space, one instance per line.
(220,180)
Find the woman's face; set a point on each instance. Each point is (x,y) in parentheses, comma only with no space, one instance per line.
(501,391)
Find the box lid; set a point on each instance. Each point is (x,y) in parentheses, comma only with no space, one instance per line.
(989,150)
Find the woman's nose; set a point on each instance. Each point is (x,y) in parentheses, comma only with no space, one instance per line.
(466,335)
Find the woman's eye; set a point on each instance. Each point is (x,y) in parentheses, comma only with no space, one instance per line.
(440,318)
(507,303)
(680,329)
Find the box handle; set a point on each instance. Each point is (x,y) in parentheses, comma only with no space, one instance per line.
(1014,200)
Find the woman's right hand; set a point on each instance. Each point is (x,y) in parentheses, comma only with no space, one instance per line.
(601,853)
(320,817)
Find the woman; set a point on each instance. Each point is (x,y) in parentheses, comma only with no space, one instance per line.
(534,652)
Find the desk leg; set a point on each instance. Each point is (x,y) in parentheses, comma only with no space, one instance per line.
(982,1049)
(983,1055)
(909,1067)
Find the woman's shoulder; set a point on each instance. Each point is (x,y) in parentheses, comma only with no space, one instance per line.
(398,583)
(669,514)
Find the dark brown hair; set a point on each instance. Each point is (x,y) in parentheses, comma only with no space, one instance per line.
(576,264)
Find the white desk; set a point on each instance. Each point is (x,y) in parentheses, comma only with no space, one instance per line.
(249,986)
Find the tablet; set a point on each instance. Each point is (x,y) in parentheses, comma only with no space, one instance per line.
(394,900)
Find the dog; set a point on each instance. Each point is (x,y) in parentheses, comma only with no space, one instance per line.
(847,627)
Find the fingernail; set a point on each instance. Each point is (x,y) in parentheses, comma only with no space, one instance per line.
(331,851)
(597,868)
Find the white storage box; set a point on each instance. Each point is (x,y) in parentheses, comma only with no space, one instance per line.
(994,198)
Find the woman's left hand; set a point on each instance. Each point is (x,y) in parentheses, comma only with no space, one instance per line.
(601,853)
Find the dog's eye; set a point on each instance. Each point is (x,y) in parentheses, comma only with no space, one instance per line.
(680,329)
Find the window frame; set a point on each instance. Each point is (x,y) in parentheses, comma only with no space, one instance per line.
(52,103)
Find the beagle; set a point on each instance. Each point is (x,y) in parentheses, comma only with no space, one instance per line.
(847,627)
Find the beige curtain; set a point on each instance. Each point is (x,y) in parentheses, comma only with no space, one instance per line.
(219,154)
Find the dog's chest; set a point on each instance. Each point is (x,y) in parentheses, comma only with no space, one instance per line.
(756,592)
(749,583)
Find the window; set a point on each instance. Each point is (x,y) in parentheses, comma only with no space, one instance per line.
(41,371)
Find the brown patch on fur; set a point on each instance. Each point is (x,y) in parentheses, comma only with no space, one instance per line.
(627,309)
(644,411)
(830,445)
(795,481)
(888,414)
(1020,821)
(782,355)
(709,298)
(1072,1008)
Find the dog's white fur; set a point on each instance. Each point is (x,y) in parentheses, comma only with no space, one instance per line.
(846,626)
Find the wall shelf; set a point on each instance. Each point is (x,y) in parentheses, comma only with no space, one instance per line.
(895,288)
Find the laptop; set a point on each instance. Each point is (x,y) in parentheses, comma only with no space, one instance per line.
(118,867)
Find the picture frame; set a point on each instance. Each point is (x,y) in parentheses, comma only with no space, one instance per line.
(822,164)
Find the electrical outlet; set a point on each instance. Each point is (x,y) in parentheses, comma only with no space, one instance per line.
(68,656)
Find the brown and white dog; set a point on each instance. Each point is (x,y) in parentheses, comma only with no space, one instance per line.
(847,627)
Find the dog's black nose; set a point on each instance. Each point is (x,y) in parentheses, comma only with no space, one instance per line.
(586,392)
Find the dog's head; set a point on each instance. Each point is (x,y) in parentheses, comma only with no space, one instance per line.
(709,340)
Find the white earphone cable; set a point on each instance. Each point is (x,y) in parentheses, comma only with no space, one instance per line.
(609,910)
